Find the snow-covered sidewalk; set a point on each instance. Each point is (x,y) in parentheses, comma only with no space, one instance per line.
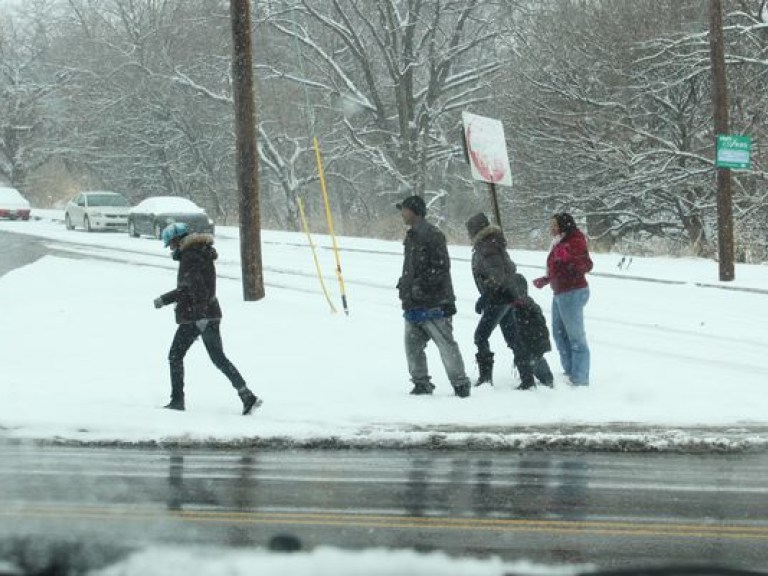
(676,366)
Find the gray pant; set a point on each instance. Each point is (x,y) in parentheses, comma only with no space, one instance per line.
(418,334)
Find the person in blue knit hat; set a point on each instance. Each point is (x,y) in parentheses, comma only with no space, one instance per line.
(197,312)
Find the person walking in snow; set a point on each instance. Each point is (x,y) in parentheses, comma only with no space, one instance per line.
(532,331)
(494,272)
(197,312)
(428,301)
(567,263)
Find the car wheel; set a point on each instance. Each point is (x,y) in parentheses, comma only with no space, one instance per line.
(68,222)
(87,224)
(132,230)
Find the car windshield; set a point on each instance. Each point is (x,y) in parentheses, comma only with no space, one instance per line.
(106,200)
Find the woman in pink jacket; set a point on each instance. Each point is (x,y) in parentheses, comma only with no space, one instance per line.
(567,264)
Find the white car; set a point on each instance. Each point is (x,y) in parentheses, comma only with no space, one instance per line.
(13,205)
(97,211)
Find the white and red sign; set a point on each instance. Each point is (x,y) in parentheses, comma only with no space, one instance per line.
(487,149)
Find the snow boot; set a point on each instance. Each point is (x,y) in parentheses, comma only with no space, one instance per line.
(422,389)
(250,400)
(175,404)
(525,370)
(463,390)
(485,365)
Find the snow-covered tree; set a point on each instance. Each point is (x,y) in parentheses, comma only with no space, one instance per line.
(28,89)
(397,73)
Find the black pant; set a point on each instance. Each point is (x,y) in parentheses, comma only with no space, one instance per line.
(186,334)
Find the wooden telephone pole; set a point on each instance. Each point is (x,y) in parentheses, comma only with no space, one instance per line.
(247,157)
(725,244)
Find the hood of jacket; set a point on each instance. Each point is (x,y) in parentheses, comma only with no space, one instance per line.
(490,232)
(195,240)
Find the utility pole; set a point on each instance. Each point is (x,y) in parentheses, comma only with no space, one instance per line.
(247,157)
(725,247)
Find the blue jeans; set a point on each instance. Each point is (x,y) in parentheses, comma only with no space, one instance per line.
(569,334)
(502,315)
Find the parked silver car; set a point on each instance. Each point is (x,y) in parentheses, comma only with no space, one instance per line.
(97,210)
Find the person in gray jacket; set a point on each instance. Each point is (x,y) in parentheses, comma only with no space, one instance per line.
(428,301)
(494,274)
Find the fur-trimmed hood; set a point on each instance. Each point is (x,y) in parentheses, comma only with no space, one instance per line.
(195,242)
(195,239)
(490,231)
(199,241)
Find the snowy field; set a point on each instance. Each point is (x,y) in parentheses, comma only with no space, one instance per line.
(678,363)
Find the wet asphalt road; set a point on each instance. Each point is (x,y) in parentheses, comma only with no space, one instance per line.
(608,509)
(19,250)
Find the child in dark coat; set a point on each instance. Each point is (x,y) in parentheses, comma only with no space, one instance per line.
(533,331)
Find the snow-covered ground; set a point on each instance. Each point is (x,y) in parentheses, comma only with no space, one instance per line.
(320,562)
(678,364)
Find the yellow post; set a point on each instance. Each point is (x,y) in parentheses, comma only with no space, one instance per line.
(314,256)
(328,215)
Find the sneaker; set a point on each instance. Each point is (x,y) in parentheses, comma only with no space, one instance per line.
(422,389)
(250,401)
(175,405)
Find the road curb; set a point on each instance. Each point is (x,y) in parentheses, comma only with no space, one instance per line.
(531,439)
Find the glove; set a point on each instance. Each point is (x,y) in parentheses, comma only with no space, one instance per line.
(541,282)
(201,325)
(158,302)
(480,305)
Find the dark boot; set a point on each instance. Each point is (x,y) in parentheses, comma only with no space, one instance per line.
(422,389)
(525,370)
(485,365)
(463,390)
(250,400)
(176,404)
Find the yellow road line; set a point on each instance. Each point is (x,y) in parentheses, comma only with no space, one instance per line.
(403,522)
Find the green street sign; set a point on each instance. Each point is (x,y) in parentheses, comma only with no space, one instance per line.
(733,152)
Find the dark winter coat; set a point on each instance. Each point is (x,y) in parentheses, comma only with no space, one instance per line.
(568,262)
(492,267)
(426,278)
(531,323)
(532,326)
(195,293)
